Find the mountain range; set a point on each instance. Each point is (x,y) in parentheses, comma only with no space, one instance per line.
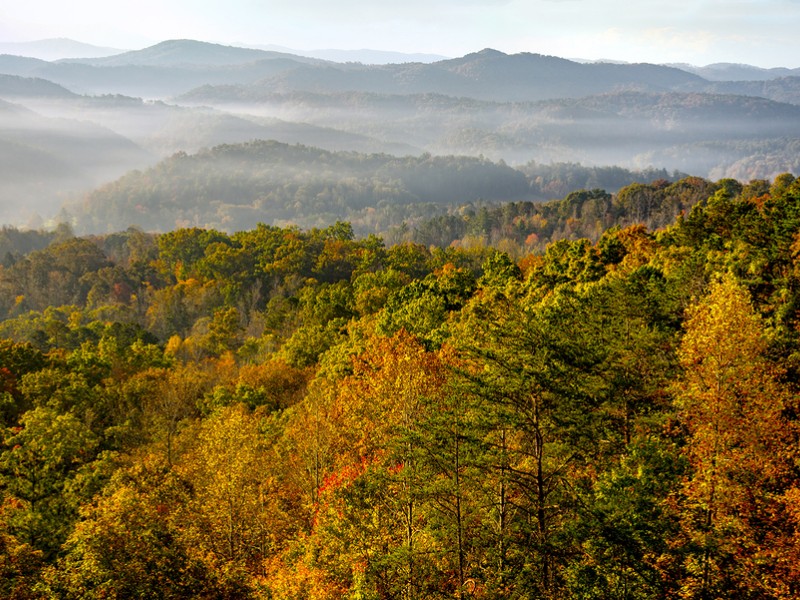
(186,95)
(176,67)
(55,49)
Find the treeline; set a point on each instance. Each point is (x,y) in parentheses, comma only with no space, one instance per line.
(230,187)
(523,227)
(280,413)
(556,180)
(15,243)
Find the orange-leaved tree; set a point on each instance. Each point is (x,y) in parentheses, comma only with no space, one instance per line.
(739,445)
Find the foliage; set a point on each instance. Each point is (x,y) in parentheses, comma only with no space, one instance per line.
(281,413)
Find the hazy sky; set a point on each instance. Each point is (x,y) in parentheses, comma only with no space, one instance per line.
(760,32)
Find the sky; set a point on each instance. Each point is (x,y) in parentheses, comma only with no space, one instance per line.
(699,32)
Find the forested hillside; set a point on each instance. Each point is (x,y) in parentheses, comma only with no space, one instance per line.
(287,413)
(233,186)
(522,227)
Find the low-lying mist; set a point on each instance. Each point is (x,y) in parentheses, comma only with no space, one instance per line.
(66,129)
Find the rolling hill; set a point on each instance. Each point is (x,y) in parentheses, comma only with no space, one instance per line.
(623,127)
(231,187)
(182,53)
(160,71)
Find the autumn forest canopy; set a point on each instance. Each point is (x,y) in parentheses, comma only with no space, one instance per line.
(592,397)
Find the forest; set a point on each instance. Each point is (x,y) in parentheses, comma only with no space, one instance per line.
(289,413)
(232,186)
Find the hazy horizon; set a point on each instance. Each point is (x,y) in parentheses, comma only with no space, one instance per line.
(755,32)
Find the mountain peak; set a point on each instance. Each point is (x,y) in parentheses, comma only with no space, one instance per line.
(490,52)
(186,52)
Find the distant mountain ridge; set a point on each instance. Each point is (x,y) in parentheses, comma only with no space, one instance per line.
(143,81)
(364,55)
(184,53)
(55,49)
(486,75)
(737,72)
(782,89)
(175,67)
(14,86)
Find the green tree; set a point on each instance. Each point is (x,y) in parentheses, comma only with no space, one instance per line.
(47,467)
(180,251)
(533,362)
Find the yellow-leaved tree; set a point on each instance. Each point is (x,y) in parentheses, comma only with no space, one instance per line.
(231,519)
(732,403)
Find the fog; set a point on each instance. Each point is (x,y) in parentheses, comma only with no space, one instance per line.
(93,122)
(50,159)
(622,128)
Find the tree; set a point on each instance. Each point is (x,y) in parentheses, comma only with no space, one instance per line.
(627,525)
(450,457)
(170,400)
(46,468)
(229,517)
(182,249)
(383,403)
(359,443)
(16,360)
(739,446)
(532,362)
(20,564)
(129,544)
